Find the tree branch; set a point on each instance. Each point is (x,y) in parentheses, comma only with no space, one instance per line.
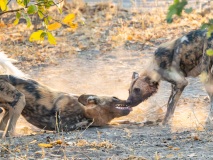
(15,10)
(37,4)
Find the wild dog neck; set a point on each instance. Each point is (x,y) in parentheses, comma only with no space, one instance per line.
(100,117)
(149,86)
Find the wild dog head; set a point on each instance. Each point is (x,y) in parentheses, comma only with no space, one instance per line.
(141,88)
(103,109)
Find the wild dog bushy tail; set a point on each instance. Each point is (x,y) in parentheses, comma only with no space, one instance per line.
(9,68)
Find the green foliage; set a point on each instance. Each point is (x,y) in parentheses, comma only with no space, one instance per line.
(209,52)
(51,38)
(27,18)
(188,10)
(18,16)
(40,35)
(37,36)
(176,8)
(32,9)
(26,2)
(209,27)
(40,8)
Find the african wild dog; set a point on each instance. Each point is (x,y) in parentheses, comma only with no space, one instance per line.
(50,109)
(173,62)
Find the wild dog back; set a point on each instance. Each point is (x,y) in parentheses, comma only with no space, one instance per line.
(186,53)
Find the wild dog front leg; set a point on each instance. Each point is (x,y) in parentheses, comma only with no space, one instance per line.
(15,101)
(210,116)
(4,120)
(209,88)
(173,99)
(178,84)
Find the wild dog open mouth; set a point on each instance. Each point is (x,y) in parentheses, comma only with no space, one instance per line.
(123,107)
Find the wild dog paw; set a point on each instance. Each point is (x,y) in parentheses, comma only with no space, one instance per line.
(209,123)
(164,123)
(209,120)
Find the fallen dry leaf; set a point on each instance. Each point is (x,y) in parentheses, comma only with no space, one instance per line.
(45,145)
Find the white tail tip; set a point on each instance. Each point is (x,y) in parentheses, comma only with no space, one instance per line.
(9,68)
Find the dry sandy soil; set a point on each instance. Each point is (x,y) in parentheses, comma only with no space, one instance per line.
(99,58)
(186,137)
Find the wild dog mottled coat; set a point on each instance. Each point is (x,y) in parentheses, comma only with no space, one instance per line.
(173,62)
(50,109)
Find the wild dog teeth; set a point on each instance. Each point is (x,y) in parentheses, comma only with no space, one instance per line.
(120,105)
(122,108)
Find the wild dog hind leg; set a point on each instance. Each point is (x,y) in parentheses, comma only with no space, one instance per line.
(207,66)
(15,101)
(178,82)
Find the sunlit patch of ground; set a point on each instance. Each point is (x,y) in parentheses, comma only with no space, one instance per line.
(190,114)
(143,113)
(23,127)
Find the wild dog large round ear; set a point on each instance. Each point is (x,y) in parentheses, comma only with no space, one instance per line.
(135,75)
(92,100)
(87,99)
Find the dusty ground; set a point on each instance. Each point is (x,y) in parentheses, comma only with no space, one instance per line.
(99,58)
(185,138)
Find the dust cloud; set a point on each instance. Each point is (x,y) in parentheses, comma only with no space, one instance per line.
(110,74)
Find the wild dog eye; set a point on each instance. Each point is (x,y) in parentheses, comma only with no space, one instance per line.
(115,99)
(137,90)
